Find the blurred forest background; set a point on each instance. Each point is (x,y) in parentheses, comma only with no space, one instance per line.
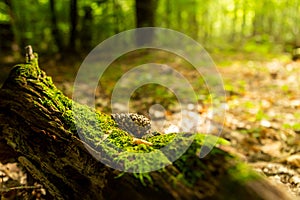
(77,26)
(250,42)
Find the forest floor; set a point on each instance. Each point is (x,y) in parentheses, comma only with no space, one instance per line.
(262,120)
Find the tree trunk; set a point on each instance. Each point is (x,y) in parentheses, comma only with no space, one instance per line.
(55,29)
(243,33)
(37,127)
(8,31)
(73,25)
(117,10)
(194,25)
(86,33)
(145,13)
(234,23)
(168,13)
(145,16)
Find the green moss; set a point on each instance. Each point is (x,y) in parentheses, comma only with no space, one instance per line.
(242,173)
(161,141)
(145,178)
(190,165)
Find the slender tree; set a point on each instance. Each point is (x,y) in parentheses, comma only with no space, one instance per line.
(9,30)
(73,25)
(86,32)
(258,19)
(193,26)
(168,13)
(145,16)
(244,19)
(234,22)
(55,30)
(116,11)
(145,12)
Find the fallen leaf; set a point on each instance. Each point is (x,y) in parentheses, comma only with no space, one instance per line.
(294,160)
(141,141)
(272,149)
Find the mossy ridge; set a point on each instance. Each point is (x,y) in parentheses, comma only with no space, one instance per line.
(93,125)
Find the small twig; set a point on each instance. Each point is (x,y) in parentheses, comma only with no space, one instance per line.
(19,188)
(29,53)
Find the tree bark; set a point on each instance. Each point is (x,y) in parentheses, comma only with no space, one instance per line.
(86,33)
(73,25)
(145,13)
(35,129)
(145,16)
(55,30)
(7,30)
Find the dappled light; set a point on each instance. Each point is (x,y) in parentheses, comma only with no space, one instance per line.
(215,118)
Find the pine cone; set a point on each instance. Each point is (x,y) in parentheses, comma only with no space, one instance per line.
(135,124)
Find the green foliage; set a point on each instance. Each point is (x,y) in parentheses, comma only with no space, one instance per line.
(161,141)
(4,16)
(242,173)
(143,177)
(285,88)
(251,26)
(254,132)
(194,169)
(294,126)
(261,115)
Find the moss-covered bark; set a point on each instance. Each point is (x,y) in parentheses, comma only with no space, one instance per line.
(38,127)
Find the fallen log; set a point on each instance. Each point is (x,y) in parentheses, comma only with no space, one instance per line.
(65,151)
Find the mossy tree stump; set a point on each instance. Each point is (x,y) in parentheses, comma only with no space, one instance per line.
(37,128)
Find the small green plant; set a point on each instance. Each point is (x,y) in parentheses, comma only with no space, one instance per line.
(261,115)
(285,88)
